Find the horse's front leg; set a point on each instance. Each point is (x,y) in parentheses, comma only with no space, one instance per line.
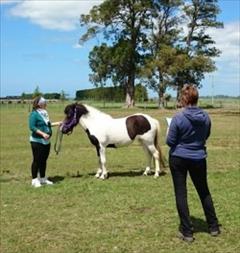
(99,170)
(102,162)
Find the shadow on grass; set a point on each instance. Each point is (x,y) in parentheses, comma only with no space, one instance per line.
(199,225)
(122,174)
(131,173)
(56,179)
(72,175)
(125,174)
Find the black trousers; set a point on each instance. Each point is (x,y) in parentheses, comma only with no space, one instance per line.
(198,172)
(40,155)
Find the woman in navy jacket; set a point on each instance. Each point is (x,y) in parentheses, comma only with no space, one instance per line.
(187,135)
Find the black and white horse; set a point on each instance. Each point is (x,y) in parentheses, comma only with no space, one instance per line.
(104,131)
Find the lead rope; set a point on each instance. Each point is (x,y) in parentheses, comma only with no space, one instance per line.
(58,141)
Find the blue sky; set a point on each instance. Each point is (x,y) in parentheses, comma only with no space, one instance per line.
(39,47)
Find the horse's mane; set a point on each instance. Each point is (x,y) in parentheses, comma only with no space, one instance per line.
(93,112)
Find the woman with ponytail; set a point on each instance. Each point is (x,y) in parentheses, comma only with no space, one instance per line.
(41,131)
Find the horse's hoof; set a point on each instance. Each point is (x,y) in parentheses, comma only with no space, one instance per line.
(156,175)
(147,171)
(104,176)
(98,174)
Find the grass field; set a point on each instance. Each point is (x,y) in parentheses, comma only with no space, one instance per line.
(128,213)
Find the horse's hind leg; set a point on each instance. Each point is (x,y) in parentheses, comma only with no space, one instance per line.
(149,160)
(155,154)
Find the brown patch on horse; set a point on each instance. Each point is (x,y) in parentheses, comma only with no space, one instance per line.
(137,125)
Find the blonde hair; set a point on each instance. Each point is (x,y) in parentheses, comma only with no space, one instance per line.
(189,95)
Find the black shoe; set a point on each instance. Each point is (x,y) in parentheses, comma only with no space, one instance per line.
(186,238)
(215,232)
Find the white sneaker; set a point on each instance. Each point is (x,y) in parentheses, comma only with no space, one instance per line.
(44,180)
(36,183)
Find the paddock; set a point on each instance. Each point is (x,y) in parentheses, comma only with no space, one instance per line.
(127,213)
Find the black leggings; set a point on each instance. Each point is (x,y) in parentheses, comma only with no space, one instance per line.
(198,173)
(40,155)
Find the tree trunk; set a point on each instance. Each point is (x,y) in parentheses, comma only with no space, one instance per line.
(160,99)
(179,88)
(161,91)
(129,101)
(130,87)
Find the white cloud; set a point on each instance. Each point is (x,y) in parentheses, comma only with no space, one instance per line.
(53,14)
(227,40)
(227,77)
(228,64)
(9,1)
(77,45)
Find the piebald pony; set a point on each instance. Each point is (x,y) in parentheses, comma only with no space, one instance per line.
(104,131)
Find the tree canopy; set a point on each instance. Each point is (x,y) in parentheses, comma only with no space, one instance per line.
(144,41)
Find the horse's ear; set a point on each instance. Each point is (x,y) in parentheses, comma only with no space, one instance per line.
(81,109)
(77,104)
(69,107)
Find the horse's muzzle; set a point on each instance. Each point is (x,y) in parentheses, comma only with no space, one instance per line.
(65,130)
(68,125)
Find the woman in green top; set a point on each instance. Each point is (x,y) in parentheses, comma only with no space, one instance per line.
(41,129)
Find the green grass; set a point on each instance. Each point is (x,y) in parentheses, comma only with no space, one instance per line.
(126,213)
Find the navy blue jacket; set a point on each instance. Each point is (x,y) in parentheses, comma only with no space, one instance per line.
(188,132)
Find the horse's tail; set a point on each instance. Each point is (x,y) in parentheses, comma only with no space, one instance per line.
(156,143)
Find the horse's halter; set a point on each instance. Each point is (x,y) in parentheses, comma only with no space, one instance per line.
(68,125)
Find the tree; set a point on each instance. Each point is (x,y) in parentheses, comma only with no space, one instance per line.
(145,41)
(162,61)
(159,70)
(63,95)
(53,95)
(23,96)
(167,98)
(140,93)
(122,22)
(197,44)
(100,63)
(36,92)
(101,93)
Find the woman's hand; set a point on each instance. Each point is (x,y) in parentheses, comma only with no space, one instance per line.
(58,123)
(45,136)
